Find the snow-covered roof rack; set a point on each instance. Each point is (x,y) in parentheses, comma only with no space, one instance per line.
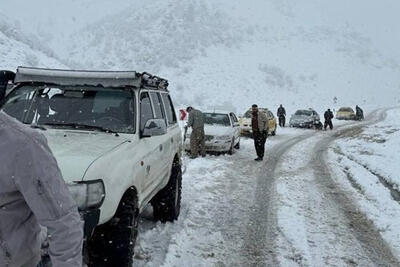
(91,78)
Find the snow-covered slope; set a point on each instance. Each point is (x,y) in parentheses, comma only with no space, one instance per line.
(298,53)
(18,49)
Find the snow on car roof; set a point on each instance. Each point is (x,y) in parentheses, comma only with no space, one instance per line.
(87,77)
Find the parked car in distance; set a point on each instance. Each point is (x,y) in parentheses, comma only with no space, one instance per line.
(305,118)
(117,142)
(245,123)
(345,113)
(272,123)
(221,132)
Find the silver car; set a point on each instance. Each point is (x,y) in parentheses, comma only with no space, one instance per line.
(305,118)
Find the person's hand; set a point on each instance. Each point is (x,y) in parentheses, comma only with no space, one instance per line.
(265,133)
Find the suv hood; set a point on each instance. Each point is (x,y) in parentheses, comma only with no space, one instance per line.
(76,150)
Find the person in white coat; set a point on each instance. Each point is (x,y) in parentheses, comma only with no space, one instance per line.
(33,193)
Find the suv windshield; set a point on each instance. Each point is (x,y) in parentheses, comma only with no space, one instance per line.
(303,113)
(217,119)
(78,107)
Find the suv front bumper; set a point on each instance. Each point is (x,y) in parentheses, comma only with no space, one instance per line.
(91,219)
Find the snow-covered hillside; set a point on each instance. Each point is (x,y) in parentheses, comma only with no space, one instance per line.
(298,53)
(21,49)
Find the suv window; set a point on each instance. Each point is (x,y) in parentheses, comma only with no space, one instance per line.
(169,109)
(146,111)
(157,104)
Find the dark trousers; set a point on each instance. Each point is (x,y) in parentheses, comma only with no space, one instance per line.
(328,123)
(282,121)
(259,142)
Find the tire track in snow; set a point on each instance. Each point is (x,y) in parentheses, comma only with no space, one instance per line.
(259,244)
(363,229)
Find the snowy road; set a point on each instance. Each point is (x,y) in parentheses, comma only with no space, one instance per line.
(288,210)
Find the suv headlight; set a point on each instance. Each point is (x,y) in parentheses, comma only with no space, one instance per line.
(87,194)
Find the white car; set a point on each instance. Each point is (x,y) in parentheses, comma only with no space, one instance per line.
(221,132)
(117,142)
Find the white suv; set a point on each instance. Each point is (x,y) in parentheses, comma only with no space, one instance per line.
(117,142)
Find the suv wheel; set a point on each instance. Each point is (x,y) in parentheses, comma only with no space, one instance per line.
(167,203)
(113,243)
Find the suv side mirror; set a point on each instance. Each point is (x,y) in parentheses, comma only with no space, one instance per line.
(5,77)
(154,127)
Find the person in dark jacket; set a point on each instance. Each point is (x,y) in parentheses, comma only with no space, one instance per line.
(33,193)
(281,113)
(328,115)
(359,113)
(197,137)
(259,125)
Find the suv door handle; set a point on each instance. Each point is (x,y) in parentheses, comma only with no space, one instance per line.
(172,140)
(161,147)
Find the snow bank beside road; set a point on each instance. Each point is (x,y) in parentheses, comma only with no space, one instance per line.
(378,148)
(368,166)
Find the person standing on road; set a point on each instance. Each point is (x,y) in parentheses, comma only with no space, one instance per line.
(197,137)
(281,113)
(259,124)
(33,193)
(328,115)
(359,113)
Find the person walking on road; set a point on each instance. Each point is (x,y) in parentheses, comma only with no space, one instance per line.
(281,113)
(328,115)
(259,124)
(33,193)
(197,137)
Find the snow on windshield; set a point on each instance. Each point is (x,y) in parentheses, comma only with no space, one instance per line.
(217,119)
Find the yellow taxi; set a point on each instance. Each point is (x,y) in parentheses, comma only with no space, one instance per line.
(245,122)
(345,113)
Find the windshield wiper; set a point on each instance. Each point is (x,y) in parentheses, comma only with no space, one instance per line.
(82,126)
(36,126)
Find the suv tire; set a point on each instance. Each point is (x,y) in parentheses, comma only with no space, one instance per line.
(167,203)
(113,243)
